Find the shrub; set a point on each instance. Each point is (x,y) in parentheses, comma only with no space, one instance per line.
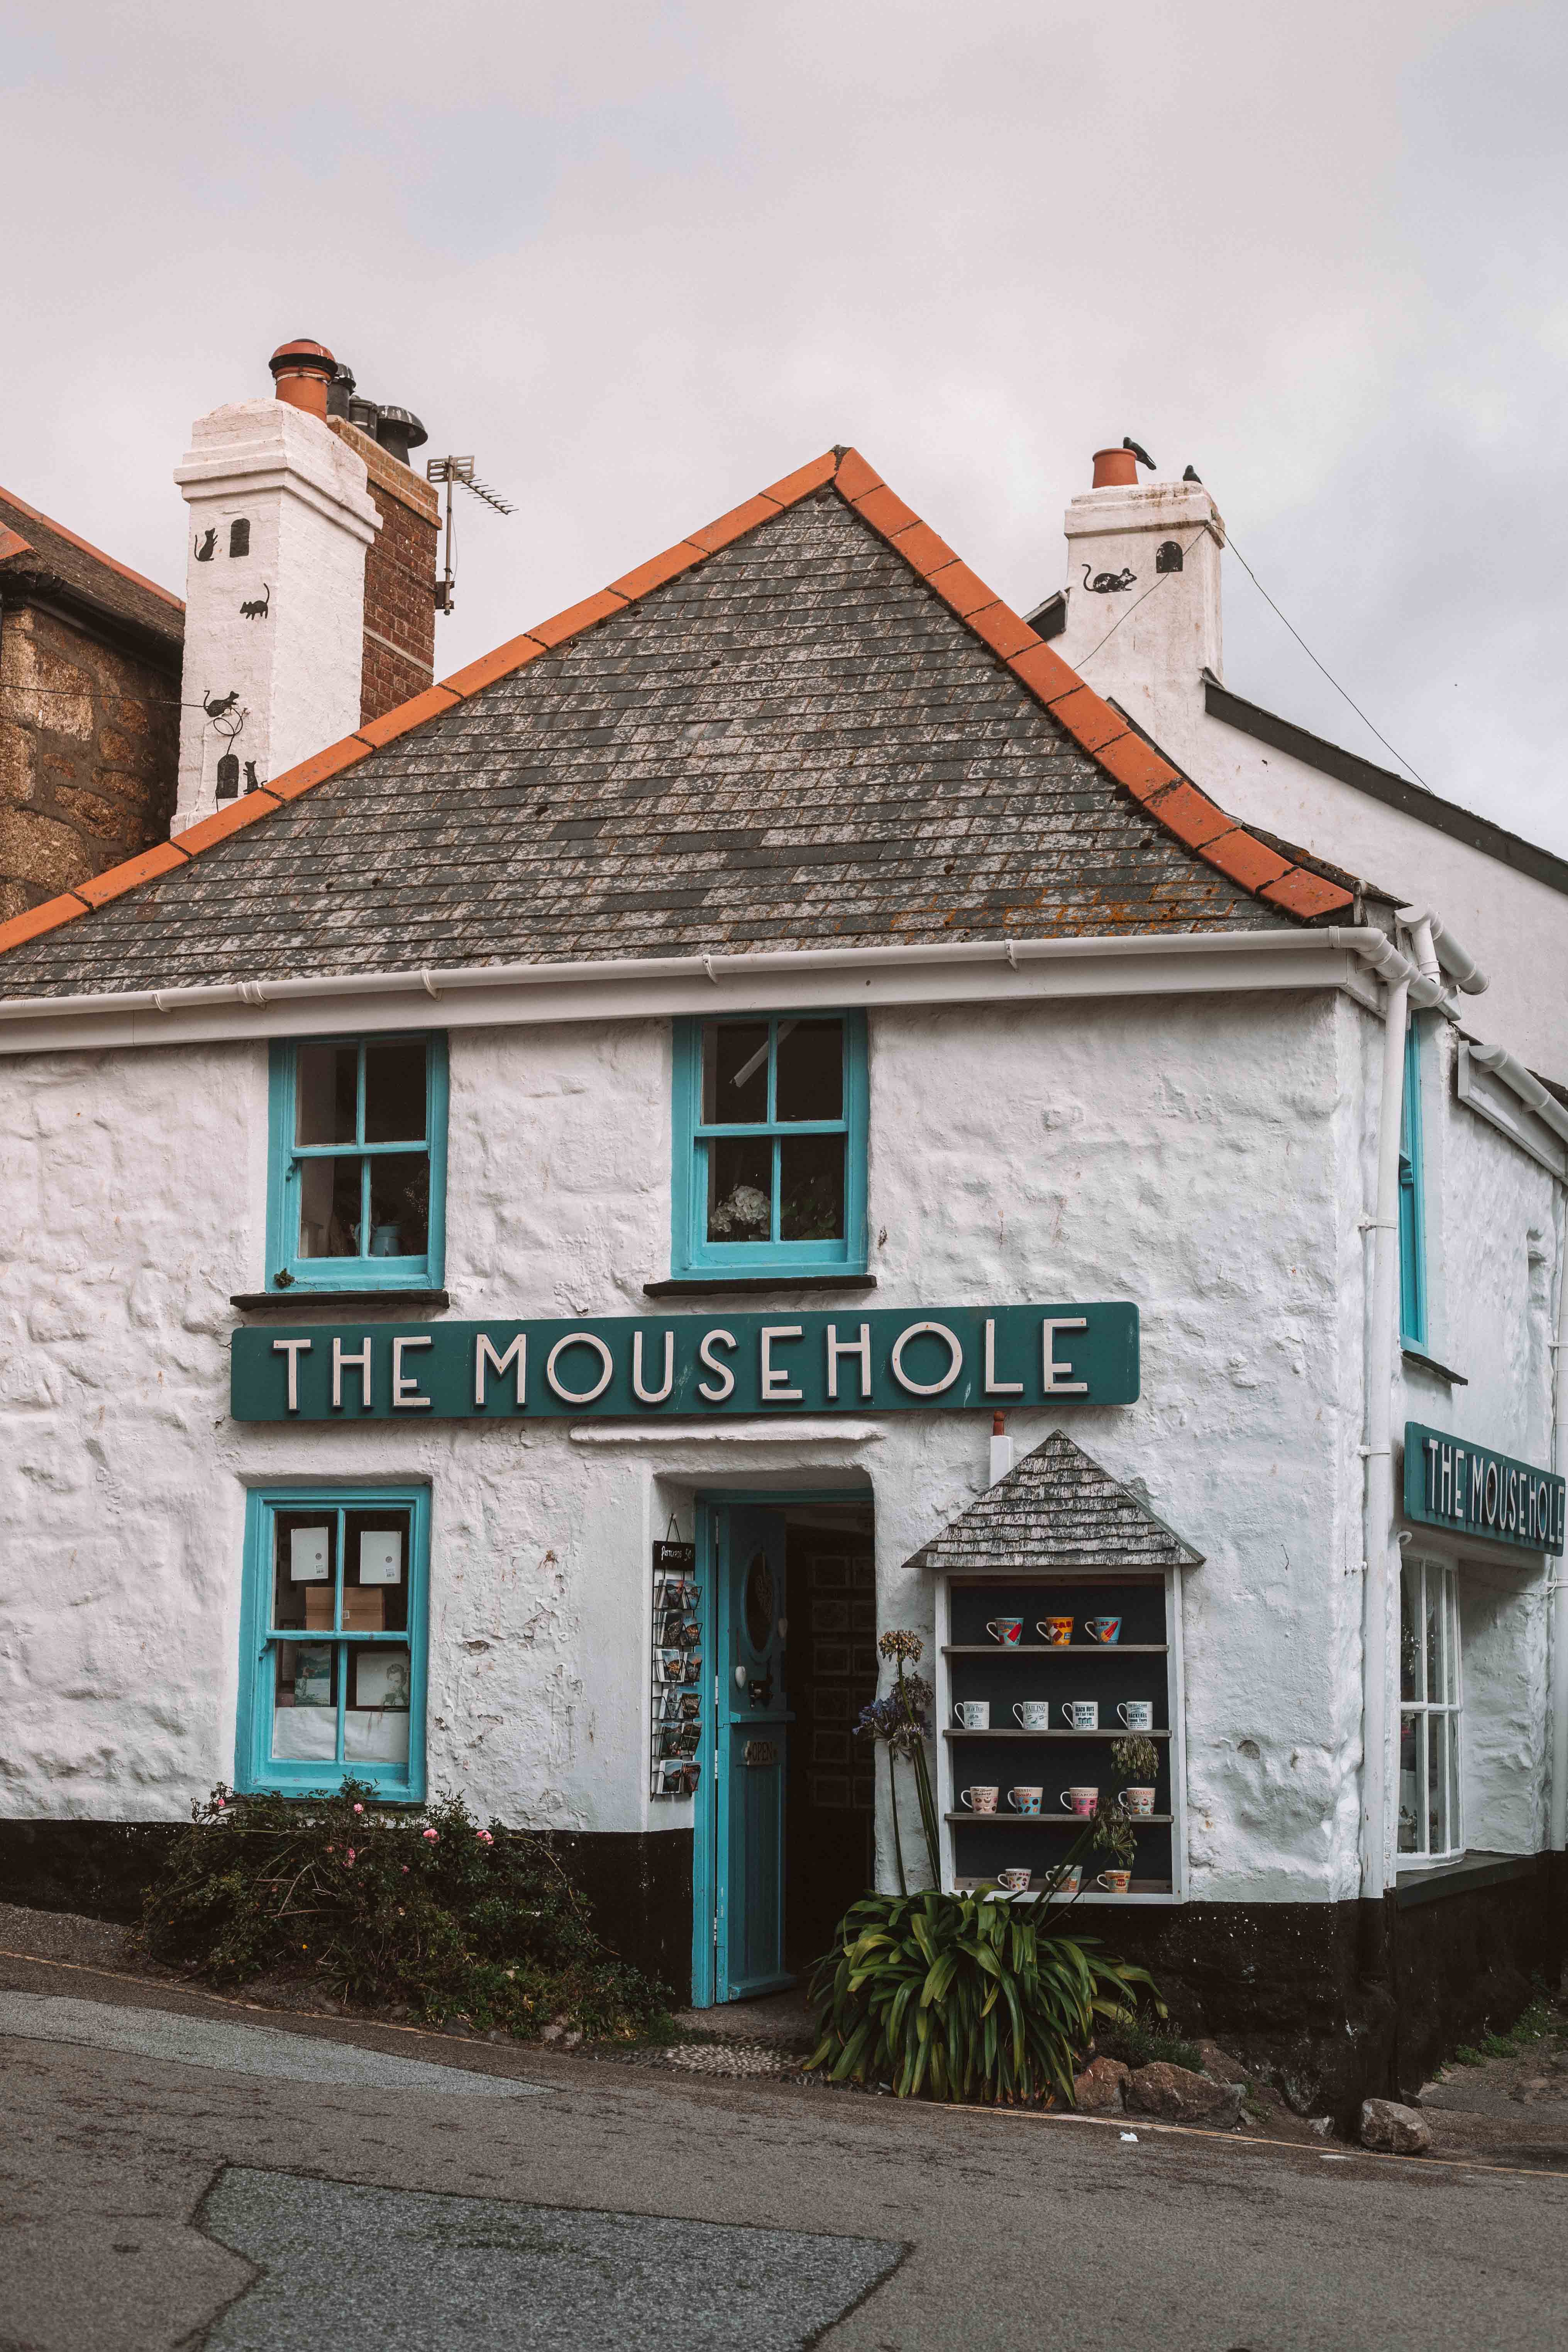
(415,1907)
(1139,2040)
(959,1997)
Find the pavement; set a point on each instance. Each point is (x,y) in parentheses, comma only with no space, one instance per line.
(175,2171)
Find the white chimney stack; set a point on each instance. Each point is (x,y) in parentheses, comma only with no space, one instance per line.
(1143,594)
(279,522)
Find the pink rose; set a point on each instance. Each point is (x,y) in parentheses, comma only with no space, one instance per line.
(484,1837)
(359,1809)
(432,1836)
(351,1854)
(406,1870)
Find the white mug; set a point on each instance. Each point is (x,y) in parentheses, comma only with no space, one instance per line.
(1137,1714)
(1139,1804)
(1080,1714)
(1033,1714)
(973,1714)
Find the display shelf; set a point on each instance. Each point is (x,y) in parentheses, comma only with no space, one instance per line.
(1055,1649)
(958,1732)
(1085,1894)
(1012,1821)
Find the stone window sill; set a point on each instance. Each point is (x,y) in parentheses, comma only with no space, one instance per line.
(1430,1882)
(289,1302)
(1430,1364)
(706,1286)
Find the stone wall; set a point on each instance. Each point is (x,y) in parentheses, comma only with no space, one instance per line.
(89,744)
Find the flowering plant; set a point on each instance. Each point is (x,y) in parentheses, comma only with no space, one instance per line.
(900,1720)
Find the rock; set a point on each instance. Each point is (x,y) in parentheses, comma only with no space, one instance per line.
(1223,2064)
(1176,2096)
(1322,2125)
(1098,2090)
(1400,2131)
(552,2032)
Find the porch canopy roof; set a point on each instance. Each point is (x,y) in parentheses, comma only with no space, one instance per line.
(1056,1508)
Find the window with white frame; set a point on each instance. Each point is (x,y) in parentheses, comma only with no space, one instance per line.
(1430,1825)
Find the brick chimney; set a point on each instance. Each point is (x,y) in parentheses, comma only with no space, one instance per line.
(399,657)
(1143,591)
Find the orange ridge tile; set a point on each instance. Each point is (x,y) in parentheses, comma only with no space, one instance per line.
(36,920)
(1245,860)
(164,859)
(1045,673)
(657,569)
(855,476)
(1306,894)
(1137,765)
(886,511)
(411,713)
(233,819)
(804,480)
(735,524)
(1190,815)
(562,626)
(332,761)
(925,548)
(964,590)
(1088,720)
(489,666)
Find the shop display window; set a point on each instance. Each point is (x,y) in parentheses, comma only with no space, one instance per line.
(1431,1822)
(1039,1675)
(334,1656)
(769,1144)
(358,1163)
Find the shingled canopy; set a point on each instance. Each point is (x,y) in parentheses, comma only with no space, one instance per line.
(1055,1509)
(809,724)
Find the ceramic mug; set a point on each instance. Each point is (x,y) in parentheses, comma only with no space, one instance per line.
(1138,1802)
(1080,1714)
(979,1801)
(1103,1629)
(973,1714)
(1080,1801)
(1055,1632)
(1137,1714)
(1025,1800)
(1009,1630)
(1115,1881)
(1033,1714)
(1016,1882)
(1066,1881)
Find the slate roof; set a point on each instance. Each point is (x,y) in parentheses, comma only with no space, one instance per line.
(1057,1508)
(809,724)
(44,556)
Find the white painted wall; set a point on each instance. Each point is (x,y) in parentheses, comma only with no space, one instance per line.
(1146,647)
(296,670)
(1208,1158)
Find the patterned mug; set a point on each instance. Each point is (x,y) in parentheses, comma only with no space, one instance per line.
(1066,1881)
(1080,1714)
(1081,1801)
(1032,1714)
(1025,1800)
(1138,1802)
(1115,1881)
(1009,1630)
(973,1714)
(1015,1881)
(1056,1632)
(1103,1629)
(979,1801)
(1137,1714)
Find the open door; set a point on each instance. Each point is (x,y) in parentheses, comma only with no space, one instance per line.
(751,1730)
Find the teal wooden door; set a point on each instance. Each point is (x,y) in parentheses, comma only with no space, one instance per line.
(752,1727)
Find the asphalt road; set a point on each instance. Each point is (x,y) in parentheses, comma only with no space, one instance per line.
(175,2173)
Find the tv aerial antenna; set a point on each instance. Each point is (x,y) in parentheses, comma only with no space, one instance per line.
(450,470)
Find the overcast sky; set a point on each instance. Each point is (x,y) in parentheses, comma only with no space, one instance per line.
(640,259)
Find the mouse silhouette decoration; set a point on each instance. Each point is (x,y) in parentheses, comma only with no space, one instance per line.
(219,706)
(1107,583)
(258,607)
(205,544)
(252,781)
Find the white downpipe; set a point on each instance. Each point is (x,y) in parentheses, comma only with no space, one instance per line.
(1557,1570)
(1379,1529)
(1444,950)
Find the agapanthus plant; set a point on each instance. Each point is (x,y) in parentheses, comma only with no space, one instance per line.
(900,1720)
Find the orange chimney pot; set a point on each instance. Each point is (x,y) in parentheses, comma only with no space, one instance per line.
(1115,469)
(302,370)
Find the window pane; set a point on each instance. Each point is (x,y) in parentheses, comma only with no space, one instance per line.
(1455,1825)
(1450,1640)
(375,1724)
(399,1204)
(1409,1617)
(395,1091)
(1409,1784)
(810,1070)
(327,1082)
(1435,1677)
(305,1569)
(328,1207)
(376,1571)
(1437,1730)
(305,1709)
(811,1188)
(740,1189)
(735,1073)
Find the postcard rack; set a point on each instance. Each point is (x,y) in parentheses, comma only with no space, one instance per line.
(675,1730)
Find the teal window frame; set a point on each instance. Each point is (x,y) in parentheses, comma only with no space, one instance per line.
(1411,1200)
(286,1268)
(256,1769)
(692,1252)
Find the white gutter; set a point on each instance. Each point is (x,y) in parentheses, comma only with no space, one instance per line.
(968,971)
(1502,1063)
(1461,967)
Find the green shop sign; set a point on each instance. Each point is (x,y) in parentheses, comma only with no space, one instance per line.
(1451,1483)
(927,1359)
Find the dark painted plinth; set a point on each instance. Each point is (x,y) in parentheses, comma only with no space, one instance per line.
(639,1886)
(1470,1956)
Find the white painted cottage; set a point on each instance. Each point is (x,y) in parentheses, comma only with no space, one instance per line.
(520,1231)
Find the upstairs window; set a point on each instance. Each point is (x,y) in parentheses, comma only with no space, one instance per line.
(1412,1204)
(770,1143)
(357,1182)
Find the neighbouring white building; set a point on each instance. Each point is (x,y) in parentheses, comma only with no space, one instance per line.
(520,1229)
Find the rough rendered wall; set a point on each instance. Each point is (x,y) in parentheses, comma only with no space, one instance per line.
(89,743)
(1190,1156)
